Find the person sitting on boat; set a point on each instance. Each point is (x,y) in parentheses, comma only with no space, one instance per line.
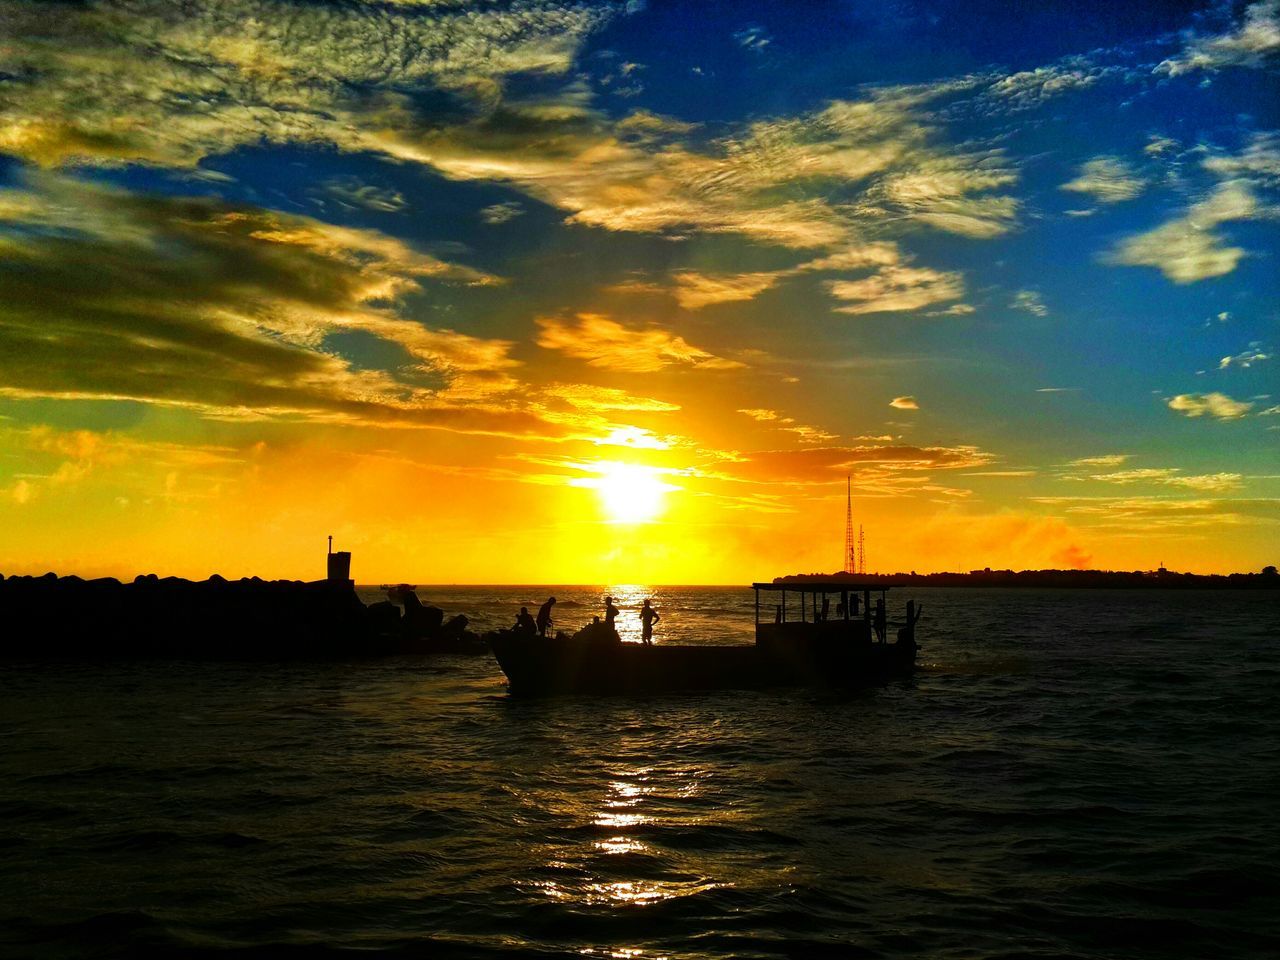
(544,616)
(525,624)
(610,613)
(648,617)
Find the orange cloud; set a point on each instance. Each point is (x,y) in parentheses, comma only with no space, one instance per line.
(824,464)
(602,342)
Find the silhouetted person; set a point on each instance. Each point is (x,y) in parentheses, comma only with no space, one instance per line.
(880,618)
(826,608)
(777,613)
(525,624)
(907,634)
(610,613)
(648,617)
(544,616)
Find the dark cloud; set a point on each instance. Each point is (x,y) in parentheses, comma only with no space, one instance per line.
(193,302)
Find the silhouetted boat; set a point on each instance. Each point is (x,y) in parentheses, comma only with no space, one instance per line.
(396,591)
(848,650)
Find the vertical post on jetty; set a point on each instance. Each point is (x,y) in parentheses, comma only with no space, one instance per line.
(339,571)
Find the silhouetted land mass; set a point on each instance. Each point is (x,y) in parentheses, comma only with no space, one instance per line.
(153,616)
(1082,579)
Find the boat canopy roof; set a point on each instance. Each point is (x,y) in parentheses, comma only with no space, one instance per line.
(821,586)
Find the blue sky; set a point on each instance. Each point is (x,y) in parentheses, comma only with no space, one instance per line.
(1012,269)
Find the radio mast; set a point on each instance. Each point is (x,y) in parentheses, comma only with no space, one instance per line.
(862,551)
(850,558)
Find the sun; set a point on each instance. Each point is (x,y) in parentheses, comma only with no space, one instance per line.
(631,493)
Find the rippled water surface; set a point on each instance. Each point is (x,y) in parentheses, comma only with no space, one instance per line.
(1074,773)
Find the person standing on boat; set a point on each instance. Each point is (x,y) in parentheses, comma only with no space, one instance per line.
(610,613)
(648,617)
(544,616)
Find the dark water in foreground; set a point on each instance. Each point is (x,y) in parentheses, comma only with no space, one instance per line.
(1083,774)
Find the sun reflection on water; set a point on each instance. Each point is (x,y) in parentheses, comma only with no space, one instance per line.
(615,845)
(621,820)
(617,869)
(621,893)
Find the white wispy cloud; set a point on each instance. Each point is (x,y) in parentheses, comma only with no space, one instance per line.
(1105,460)
(1259,160)
(897,288)
(1255,39)
(1172,477)
(1031,302)
(1188,248)
(1246,358)
(770,181)
(497,213)
(146,81)
(1027,89)
(351,193)
(694,290)
(754,38)
(150,81)
(904,403)
(1107,180)
(1216,405)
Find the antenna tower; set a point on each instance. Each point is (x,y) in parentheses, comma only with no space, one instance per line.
(862,551)
(850,564)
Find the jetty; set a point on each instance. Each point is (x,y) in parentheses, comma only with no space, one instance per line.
(169,617)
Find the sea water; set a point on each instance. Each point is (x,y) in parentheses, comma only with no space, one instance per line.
(1069,774)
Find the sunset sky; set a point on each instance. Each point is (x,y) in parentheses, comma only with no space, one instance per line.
(597,293)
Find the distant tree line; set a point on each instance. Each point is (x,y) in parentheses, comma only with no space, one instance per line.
(1140,579)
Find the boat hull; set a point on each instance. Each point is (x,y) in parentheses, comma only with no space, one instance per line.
(537,666)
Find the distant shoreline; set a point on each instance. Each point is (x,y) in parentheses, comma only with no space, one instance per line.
(1268,579)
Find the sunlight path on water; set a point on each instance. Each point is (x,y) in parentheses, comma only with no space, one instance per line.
(1070,773)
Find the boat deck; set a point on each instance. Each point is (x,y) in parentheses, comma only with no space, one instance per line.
(540,666)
